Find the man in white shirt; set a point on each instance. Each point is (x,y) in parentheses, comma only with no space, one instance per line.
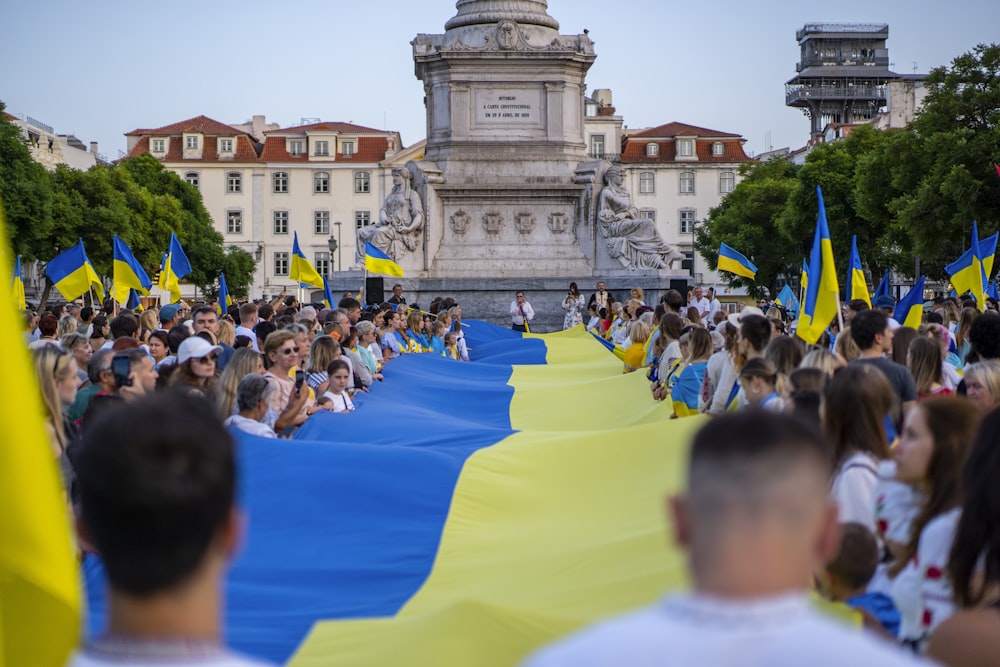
(756,523)
(161,466)
(713,304)
(699,301)
(521,313)
(253,398)
(248,320)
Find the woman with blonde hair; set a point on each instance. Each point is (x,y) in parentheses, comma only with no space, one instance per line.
(243,362)
(982,384)
(845,347)
(56,372)
(823,359)
(67,325)
(638,333)
(148,322)
(227,333)
(324,350)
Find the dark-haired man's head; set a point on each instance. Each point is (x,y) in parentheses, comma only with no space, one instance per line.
(124,326)
(673,300)
(984,335)
(849,573)
(870,329)
(755,333)
(854,306)
(157,494)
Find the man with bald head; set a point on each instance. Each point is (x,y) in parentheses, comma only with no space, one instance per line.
(756,523)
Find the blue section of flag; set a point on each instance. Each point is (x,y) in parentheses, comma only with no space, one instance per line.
(327,293)
(910,309)
(179,264)
(224,299)
(883,288)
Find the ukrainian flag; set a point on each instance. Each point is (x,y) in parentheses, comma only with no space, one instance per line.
(987,253)
(224,299)
(377,261)
(127,273)
(734,262)
(883,286)
(398,546)
(73,274)
(822,298)
(857,286)
(17,284)
(302,271)
(39,580)
(327,294)
(175,265)
(967,273)
(910,309)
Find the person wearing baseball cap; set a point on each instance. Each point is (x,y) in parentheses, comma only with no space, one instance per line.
(196,366)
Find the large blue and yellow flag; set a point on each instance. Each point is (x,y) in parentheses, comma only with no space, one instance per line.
(967,273)
(857,286)
(302,271)
(452,536)
(377,261)
(224,299)
(735,262)
(884,287)
(72,273)
(128,273)
(17,286)
(910,309)
(822,294)
(39,580)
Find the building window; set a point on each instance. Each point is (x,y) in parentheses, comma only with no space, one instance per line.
(191,142)
(362,182)
(322,148)
(281,263)
(159,145)
(347,148)
(727,181)
(685,147)
(687,220)
(323,263)
(234,222)
(321,182)
(597,146)
(362,219)
(647,183)
(281,222)
(296,148)
(192,178)
(234,182)
(718,148)
(648,214)
(321,222)
(687,182)
(652,150)
(280,181)
(225,145)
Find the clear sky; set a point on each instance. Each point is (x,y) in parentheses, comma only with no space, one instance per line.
(100,69)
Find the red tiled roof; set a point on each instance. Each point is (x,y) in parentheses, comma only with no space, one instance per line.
(344,128)
(369,149)
(275,150)
(10,117)
(635,152)
(246,151)
(681,129)
(200,124)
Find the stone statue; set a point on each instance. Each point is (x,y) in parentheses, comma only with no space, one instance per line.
(399,221)
(634,241)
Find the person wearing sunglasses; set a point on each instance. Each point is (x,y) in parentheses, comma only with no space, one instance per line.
(196,366)
(282,355)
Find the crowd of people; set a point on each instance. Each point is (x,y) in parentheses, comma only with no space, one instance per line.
(861,468)
(265,367)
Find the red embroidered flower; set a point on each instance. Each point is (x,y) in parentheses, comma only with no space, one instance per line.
(928,616)
(934,572)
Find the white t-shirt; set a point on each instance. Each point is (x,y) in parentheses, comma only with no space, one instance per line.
(243,331)
(695,630)
(341,402)
(250,426)
(853,490)
(110,653)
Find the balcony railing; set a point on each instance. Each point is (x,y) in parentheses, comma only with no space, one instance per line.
(601,155)
(808,93)
(842,61)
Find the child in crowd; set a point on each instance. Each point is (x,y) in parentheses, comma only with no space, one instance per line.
(847,576)
(759,380)
(594,323)
(340,376)
(437,338)
(451,346)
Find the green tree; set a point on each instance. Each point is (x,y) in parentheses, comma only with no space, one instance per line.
(25,193)
(745,220)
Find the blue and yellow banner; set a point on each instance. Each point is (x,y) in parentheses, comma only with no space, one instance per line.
(17,286)
(735,262)
(377,261)
(127,273)
(822,293)
(857,286)
(464,514)
(302,271)
(225,301)
(72,273)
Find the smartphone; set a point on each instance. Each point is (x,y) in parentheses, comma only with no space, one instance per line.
(300,378)
(121,368)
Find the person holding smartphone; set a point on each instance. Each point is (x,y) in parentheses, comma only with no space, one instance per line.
(574,304)
(282,354)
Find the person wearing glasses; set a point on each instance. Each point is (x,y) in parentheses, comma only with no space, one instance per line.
(282,356)
(196,366)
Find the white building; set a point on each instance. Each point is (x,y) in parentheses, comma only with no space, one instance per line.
(676,173)
(50,149)
(261,184)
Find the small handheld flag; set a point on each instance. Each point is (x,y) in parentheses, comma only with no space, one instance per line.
(127,273)
(735,262)
(18,286)
(73,274)
(883,288)
(224,299)
(910,309)
(327,294)
(857,286)
(377,261)
(302,271)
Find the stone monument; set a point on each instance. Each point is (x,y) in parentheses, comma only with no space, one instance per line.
(510,200)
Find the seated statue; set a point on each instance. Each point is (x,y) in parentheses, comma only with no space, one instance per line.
(632,240)
(399,221)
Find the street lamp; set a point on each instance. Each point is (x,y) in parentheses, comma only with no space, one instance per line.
(338,223)
(258,254)
(332,244)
